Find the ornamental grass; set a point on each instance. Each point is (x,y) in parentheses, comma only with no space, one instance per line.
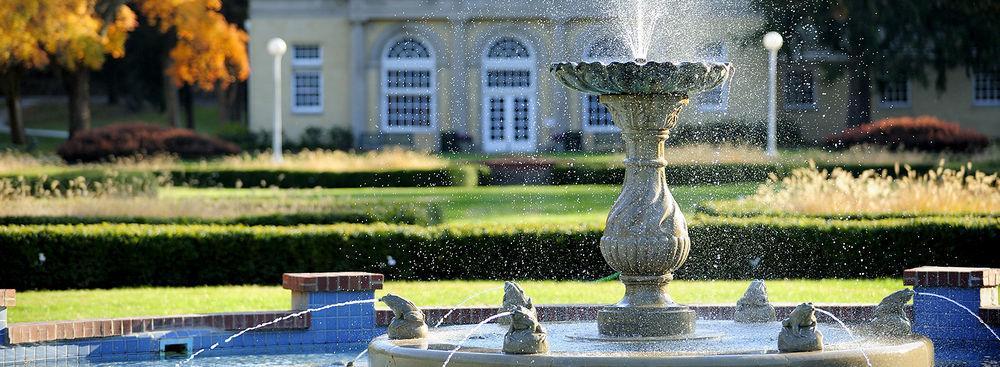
(812,191)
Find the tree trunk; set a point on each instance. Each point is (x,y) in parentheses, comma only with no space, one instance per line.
(77,84)
(859,105)
(187,103)
(15,119)
(111,81)
(170,98)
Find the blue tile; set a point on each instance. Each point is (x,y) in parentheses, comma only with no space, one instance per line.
(342,323)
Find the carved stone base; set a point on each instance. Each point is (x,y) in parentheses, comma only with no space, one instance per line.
(645,321)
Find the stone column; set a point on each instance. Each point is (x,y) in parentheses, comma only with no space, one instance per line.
(345,324)
(359,82)
(459,81)
(7,299)
(646,237)
(957,334)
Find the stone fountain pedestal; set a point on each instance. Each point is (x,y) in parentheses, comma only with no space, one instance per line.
(646,237)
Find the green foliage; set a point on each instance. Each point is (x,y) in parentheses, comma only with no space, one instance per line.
(291,178)
(677,174)
(745,209)
(98,256)
(426,214)
(736,132)
(77,182)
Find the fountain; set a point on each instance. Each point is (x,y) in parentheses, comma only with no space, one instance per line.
(646,239)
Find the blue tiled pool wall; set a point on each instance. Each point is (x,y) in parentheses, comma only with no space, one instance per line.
(339,326)
(3,326)
(957,334)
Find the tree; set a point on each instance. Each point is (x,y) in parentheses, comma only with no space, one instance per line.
(207,51)
(19,51)
(885,40)
(85,32)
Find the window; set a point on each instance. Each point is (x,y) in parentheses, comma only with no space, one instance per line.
(986,88)
(307,79)
(307,91)
(894,94)
(596,117)
(508,82)
(306,55)
(408,87)
(716,99)
(800,89)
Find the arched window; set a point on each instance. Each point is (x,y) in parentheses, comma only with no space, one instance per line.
(596,117)
(508,96)
(408,87)
(716,99)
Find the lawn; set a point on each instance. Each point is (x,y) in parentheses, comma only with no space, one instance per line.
(33,306)
(495,204)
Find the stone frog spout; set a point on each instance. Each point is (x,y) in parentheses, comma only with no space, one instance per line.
(514,297)
(408,320)
(754,307)
(890,316)
(526,334)
(798,331)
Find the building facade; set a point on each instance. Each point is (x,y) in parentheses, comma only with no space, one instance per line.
(404,72)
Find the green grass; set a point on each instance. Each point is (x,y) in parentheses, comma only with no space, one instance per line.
(495,204)
(35,306)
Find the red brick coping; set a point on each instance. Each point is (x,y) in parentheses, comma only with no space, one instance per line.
(940,276)
(332,282)
(82,329)
(552,313)
(7,298)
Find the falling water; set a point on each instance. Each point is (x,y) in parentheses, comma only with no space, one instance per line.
(856,341)
(275,321)
(469,335)
(964,308)
(460,304)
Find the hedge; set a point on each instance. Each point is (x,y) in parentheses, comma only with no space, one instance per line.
(738,208)
(208,177)
(424,214)
(96,179)
(119,255)
(723,173)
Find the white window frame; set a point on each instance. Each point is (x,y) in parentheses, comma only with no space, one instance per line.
(300,109)
(395,64)
(317,61)
(529,64)
(975,85)
(896,104)
(723,104)
(585,98)
(812,88)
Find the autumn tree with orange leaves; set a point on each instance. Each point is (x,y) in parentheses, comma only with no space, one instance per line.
(76,36)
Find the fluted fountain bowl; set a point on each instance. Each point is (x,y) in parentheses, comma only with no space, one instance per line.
(642,78)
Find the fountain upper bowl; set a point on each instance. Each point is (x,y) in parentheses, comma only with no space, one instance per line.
(674,78)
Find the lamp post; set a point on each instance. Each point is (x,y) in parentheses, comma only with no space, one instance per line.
(277,47)
(772,42)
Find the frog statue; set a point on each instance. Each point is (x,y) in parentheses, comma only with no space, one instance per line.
(407,321)
(754,306)
(514,297)
(798,331)
(890,319)
(526,334)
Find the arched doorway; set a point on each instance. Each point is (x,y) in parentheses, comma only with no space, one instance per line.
(508,83)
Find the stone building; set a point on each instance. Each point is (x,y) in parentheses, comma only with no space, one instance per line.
(404,72)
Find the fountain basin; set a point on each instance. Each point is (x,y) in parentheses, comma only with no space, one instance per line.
(734,345)
(668,78)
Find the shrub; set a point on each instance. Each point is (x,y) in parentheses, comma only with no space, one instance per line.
(91,256)
(455,142)
(125,140)
(240,135)
(341,139)
(926,133)
(299,178)
(735,132)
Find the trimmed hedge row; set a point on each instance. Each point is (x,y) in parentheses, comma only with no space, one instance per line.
(206,177)
(89,256)
(724,173)
(95,179)
(428,214)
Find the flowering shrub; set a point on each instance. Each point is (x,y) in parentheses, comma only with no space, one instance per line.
(123,140)
(926,133)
